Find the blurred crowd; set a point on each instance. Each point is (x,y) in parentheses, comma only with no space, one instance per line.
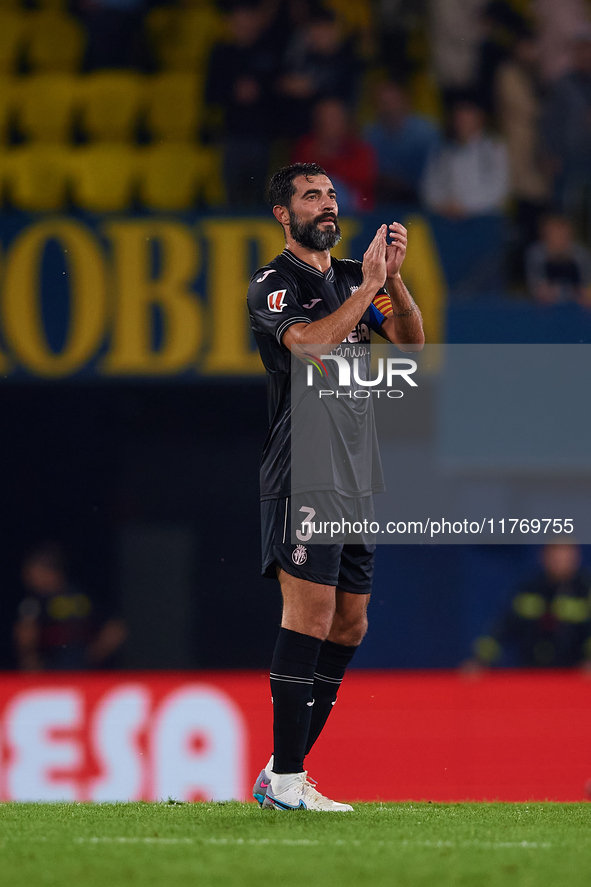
(465,107)
(546,622)
(461,107)
(59,626)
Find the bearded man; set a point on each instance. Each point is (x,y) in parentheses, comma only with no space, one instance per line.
(303,298)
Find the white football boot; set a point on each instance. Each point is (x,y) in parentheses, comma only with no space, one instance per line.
(292,791)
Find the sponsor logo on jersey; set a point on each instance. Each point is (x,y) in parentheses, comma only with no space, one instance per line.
(312,303)
(275,301)
(266,274)
(299,555)
(359,334)
(353,289)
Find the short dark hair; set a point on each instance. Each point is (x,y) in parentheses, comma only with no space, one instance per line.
(281,186)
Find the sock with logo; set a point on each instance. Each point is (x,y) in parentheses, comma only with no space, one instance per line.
(292,683)
(330,671)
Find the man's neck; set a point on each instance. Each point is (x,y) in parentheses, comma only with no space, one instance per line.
(317,259)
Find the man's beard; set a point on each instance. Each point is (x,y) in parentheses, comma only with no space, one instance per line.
(310,236)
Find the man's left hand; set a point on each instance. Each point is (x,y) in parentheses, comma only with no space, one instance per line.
(396,250)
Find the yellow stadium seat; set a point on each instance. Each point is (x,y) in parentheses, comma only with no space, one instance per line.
(174,106)
(13,30)
(37,176)
(46,105)
(425,96)
(110,105)
(55,41)
(183,38)
(8,101)
(177,176)
(355,16)
(104,177)
(366,105)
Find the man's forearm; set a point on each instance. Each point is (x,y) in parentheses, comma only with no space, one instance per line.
(405,325)
(335,327)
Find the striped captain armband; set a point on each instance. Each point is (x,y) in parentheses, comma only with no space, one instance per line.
(383,303)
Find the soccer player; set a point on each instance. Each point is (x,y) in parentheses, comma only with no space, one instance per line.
(304,297)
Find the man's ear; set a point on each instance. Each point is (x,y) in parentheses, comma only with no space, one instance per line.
(281,213)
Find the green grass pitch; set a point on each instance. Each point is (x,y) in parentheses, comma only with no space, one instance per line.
(171,845)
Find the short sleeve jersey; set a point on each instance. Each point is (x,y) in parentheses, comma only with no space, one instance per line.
(66,622)
(289,291)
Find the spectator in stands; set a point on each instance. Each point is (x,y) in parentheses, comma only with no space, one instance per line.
(501,27)
(319,63)
(557,26)
(402,142)
(115,33)
(548,622)
(557,268)
(518,92)
(240,80)
(567,130)
(349,161)
(394,26)
(57,625)
(455,35)
(469,174)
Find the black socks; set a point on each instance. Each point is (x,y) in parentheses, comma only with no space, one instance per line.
(330,670)
(292,684)
(305,676)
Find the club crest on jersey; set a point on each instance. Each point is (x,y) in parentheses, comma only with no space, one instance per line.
(299,555)
(275,301)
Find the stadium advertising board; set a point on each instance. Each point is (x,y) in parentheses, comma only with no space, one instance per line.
(438,736)
(155,297)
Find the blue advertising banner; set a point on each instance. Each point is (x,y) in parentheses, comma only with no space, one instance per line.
(152,296)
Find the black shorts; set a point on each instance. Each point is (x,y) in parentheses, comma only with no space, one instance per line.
(349,567)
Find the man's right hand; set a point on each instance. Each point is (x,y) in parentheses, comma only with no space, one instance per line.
(336,326)
(374,260)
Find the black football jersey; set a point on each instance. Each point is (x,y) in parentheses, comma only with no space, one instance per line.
(289,291)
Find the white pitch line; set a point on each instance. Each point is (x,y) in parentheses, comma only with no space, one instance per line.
(488,845)
(305,842)
(112,840)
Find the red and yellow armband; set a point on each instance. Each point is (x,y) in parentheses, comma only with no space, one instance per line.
(383,303)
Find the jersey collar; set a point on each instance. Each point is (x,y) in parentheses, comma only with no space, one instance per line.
(304,265)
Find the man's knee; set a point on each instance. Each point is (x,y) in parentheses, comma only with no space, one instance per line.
(313,625)
(314,619)
(316,625)
(307,607)
(348,630)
